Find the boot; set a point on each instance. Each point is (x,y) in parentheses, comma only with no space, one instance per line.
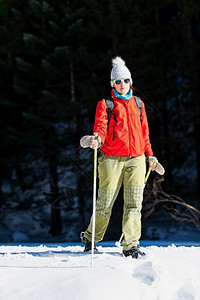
(134,252)
(87,243)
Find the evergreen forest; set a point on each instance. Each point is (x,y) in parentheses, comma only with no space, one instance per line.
(55,64)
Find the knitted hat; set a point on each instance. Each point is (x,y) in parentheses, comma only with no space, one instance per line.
(119,70)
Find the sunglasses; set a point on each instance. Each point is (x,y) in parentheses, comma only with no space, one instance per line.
(119,81)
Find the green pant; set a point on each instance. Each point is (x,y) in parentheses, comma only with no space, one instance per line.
(113,171)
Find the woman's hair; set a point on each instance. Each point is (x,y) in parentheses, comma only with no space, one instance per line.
(147,102)
(137,93)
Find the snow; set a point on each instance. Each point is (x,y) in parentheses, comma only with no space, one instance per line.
(63,272)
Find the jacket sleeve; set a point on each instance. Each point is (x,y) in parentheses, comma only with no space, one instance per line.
(101,120)
(145,131)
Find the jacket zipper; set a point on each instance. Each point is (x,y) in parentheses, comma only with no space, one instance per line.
(128,122)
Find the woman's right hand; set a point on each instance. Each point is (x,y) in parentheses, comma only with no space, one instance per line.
(96,141)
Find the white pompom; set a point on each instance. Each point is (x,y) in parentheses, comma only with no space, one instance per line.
(118,61)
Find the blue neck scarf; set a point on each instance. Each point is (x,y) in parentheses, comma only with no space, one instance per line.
(124,97)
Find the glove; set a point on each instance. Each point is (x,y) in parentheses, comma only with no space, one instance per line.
(152,162)
(96,141)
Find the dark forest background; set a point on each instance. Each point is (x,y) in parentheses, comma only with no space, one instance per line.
(55,64)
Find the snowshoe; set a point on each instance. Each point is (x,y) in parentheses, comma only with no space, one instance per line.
(87,243)
(134,252)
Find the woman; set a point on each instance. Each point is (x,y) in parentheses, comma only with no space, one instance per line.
(124,141)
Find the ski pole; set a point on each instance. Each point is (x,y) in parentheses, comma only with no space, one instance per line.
(145,181)
(94,203)
(119,242)
(147,175)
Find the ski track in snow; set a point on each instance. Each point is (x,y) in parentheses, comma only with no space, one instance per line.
(65,273)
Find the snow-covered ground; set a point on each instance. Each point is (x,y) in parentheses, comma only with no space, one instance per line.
(63,272)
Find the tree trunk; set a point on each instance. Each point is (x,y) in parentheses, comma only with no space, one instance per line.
(76,151)
(56,221)
(114,24)
(164,112)
(193,81)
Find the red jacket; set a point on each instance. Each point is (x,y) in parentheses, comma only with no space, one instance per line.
(131,135)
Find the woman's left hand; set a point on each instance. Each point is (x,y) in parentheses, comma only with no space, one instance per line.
(152,162)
